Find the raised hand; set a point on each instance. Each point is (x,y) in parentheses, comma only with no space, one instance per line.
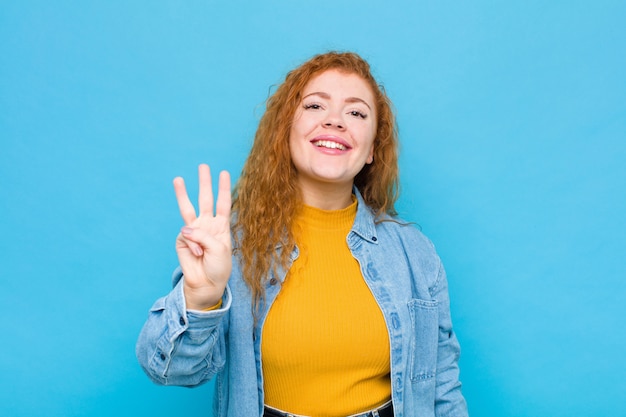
(204,245)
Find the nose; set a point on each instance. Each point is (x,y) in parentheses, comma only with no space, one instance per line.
(334,121)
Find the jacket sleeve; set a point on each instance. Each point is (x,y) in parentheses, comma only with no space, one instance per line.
(183,347)
(449,400)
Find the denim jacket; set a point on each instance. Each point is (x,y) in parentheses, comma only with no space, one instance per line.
(399,264)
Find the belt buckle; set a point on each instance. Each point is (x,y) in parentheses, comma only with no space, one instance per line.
(373,413)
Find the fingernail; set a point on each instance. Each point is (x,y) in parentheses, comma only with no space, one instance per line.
(186,230)
(198,251)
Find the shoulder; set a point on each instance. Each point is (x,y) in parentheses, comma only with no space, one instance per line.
(405,243)
(408,233)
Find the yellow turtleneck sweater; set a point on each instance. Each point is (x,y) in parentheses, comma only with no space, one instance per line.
(325,345)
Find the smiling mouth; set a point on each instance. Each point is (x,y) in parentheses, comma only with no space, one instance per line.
(329,144)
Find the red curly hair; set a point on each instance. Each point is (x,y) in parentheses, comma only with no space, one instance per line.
(267,197)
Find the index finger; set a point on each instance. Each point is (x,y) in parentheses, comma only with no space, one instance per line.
(187,211)
(223,205)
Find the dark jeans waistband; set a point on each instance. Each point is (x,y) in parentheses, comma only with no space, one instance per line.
(385,410)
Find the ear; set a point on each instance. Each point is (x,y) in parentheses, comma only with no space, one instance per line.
(370,157)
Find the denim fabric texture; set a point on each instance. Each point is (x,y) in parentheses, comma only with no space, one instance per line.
(405,275)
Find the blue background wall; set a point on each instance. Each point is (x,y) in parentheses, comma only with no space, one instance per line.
(513,124)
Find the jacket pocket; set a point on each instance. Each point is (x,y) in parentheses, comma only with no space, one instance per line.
(424,340)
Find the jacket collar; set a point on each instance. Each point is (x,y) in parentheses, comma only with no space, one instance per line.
(365,221)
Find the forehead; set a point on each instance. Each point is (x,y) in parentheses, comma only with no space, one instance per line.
(341,85)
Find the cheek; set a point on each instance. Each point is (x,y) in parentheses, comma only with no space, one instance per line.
(302,123)
(370,156)
(296,144)
(371,137)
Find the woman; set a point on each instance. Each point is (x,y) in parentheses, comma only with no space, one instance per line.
(326,304)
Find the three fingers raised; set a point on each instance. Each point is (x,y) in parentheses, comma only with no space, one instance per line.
(205,196)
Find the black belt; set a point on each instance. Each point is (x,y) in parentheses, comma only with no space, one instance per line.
(385,410)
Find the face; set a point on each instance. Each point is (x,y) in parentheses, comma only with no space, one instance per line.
(333,131)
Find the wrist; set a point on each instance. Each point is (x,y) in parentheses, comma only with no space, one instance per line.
(204,299)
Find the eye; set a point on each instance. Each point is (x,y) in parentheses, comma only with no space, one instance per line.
(312,106)
(357,113)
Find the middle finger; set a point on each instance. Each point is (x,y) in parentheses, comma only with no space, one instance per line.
(205,194)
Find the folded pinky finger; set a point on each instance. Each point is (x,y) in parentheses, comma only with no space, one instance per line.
(196,249)
(193,247)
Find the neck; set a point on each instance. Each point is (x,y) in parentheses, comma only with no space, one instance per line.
(327,197)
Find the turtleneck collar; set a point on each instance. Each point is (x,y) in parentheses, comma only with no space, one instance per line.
(341,219)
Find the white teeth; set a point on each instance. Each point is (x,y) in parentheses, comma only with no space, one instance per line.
(330,144)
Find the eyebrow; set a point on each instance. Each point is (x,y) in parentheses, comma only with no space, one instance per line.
(347,100)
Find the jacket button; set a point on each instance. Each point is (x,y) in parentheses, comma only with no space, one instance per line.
(273,281)
(181,321)
(162,356)
(374,239)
